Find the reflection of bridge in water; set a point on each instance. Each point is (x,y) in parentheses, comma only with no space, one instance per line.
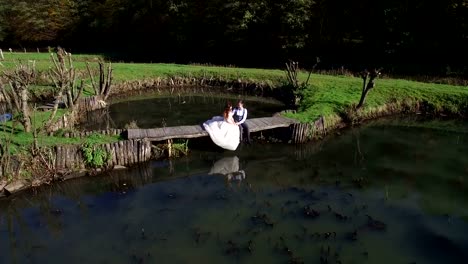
(163,133)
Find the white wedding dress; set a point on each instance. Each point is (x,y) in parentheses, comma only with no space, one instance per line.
(222,133)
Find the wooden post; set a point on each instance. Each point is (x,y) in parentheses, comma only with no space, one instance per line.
(135,151)
(169,148)
(122,153)
(108,149)
(66,157)
(121,158)
(57,157)
(319,125)
(78,159)
(125,152)
(82,164)
(148,150)
(130,152)
(136,154)
(62,157)
(143,150)
(114,154)
(299,133)
(117,153)
(1,54)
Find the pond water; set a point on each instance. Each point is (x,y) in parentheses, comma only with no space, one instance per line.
(387,192)
(173,111)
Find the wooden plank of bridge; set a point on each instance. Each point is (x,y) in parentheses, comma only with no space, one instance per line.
(155,133)
(192,131)
(258,123)
(163,133)
(254,125)
(273,122)
(133,133)
(262,121)
(281,121)
(179,131)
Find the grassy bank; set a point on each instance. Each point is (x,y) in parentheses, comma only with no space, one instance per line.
(326,95)
(138,71)
(332,95)
(12,133)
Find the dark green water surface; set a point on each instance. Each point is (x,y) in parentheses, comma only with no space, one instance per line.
(173,111)
(387,192)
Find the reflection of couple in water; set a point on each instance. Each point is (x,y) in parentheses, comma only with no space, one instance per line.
(227,131)
(228,166)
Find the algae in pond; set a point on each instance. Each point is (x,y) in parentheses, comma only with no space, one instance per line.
(277,214)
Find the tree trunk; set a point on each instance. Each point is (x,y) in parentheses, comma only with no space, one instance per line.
(71,106)
(78,95)
(25,109)
(108,82)
(6,96)
(101,78)
(363,98)
(54,112)
(367,87)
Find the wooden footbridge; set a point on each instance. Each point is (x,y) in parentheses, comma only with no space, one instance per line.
(163,133)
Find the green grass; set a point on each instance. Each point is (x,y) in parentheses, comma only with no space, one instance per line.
(14,133)
(138,71)
(38,120)
(330,95)
(42,60)
(21,140)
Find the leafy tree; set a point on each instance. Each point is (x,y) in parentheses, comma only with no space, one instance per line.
(353,33)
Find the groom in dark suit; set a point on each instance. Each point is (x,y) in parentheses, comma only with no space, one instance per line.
(240,115)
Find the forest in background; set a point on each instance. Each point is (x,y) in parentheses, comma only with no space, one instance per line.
(417,37)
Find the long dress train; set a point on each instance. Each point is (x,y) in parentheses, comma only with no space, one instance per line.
(222,133)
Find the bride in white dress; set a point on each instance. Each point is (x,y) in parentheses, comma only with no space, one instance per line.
(223,130)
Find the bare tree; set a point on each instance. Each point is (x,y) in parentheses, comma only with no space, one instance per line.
(17,94)
(103,88)
(64,77)
(292,70)
(366,87)
(5,94)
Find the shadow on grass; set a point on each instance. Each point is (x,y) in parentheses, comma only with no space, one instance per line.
(7,128)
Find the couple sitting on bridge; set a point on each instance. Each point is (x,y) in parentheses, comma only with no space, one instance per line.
(227,131)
